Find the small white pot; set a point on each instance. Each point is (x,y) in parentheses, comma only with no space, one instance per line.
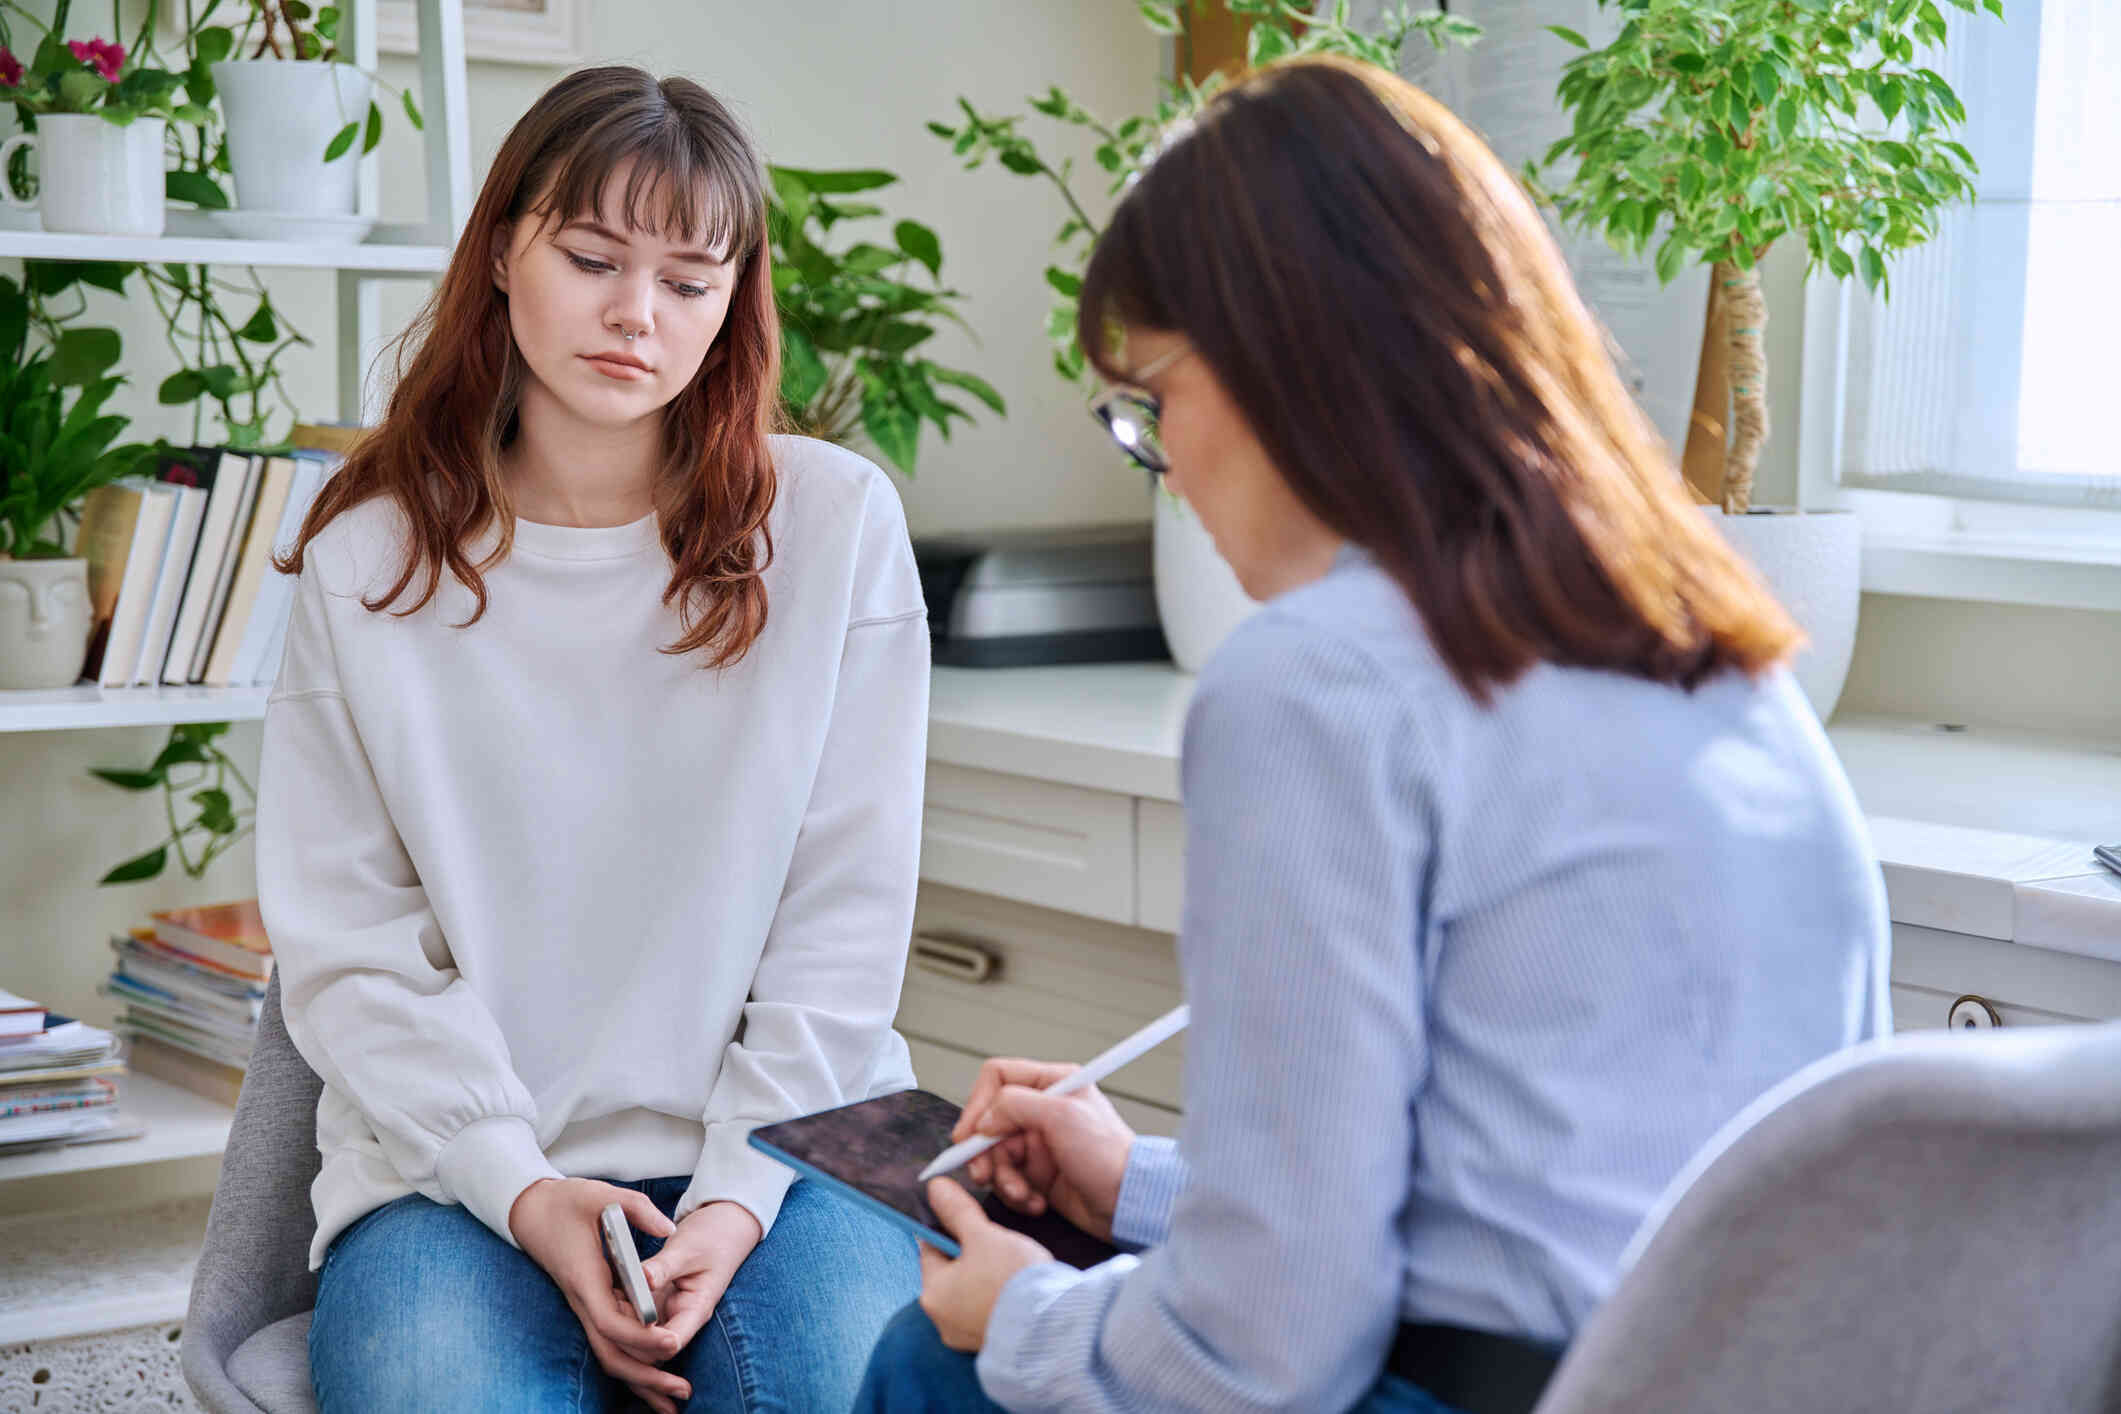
(282,115)
(1812,562)
(1197,593)
(44,622)
(93,177)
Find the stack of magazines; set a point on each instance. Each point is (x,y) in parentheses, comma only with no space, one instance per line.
(58,1079)
(193,984)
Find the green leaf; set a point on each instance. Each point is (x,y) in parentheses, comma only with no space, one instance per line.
(920,243)
(81,355)
(1161,18)
(1065,283)
(180,387)
(803,373)
(1760,191)
(412,110)
(1671,258)
(1766,84)
(1022,163)
(342,142)
(261,329)
(375,130)
(1689,182)
(1838,261)
(840,183)
(1786,118)
(1873,265)
(147,866)
(129,780)
(211,46)
(196,187)
(894,427)
(976,386)
(216,811)
(297,9)
(1570,35)
(1265,44)
(180,751)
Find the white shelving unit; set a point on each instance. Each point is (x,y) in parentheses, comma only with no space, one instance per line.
(392,252)
(72,1274)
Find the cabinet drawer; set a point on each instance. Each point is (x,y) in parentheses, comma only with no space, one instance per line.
(1056,987)
(2025,985)
(1926,1009)
(1055,846)
(950,1073)
(1159,864)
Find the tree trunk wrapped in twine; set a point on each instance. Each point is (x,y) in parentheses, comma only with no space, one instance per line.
(1748,373)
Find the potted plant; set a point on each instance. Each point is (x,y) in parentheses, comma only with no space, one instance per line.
(1712,134)
(1197,595)
(851,327)
(191,769)
(98,127)
(52,454)
(295,117)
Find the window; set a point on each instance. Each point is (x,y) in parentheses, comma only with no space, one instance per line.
(1994,371)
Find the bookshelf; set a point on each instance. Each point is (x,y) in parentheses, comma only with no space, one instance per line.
(102,1237)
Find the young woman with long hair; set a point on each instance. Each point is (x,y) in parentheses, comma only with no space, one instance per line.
(590,806)
(1516,863)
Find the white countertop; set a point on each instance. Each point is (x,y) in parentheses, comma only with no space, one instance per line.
(1979,831)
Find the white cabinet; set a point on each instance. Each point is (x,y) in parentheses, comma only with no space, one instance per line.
(1052,845)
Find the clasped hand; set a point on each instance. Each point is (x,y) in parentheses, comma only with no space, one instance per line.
(1064,1152)
(555,1222)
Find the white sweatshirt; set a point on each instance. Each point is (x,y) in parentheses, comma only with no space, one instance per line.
(546,901)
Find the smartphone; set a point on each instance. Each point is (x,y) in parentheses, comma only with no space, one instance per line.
(625,1261)
(873,1151)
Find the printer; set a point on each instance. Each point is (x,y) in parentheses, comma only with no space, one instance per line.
(1014,599)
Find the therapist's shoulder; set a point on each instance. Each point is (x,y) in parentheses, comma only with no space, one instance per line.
(1346,651)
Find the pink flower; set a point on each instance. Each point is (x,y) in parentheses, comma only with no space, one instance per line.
(105,57)
(10,69)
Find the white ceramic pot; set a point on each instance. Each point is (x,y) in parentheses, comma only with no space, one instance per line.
(1197,593)
(93,177)
(44,622)
(1812,561)
(282,115)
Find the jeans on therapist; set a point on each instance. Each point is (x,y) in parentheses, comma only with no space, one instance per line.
(421,1307)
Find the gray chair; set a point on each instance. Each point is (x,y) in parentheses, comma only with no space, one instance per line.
(246,1336)
(1927,1223)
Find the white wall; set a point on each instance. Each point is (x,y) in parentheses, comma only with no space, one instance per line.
(824,83)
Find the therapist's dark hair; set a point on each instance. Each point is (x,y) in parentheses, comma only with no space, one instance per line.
(1378,294)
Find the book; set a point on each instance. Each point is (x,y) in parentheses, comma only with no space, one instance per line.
(66,1045)
(213,1079)
(19,1016)
(231,1021)
(276,596)
(169,588)
(252,566)
(136,593)
(224,483)
(150,946)
(69,1124)
(222,1050)
(338,437)
(225,575)
(230,934)
(51,1099)
(109,516)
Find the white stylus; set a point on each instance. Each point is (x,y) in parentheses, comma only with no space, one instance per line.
(1147,1039)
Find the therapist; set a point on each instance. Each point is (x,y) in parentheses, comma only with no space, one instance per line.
(1516,863)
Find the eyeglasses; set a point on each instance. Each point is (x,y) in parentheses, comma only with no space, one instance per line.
(1131,417)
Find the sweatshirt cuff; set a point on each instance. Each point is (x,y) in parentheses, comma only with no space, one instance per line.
(487,1166)
(1148,1191)
(731,1171)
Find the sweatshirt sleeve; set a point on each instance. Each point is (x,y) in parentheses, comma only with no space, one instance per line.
(370,993)
(827,986)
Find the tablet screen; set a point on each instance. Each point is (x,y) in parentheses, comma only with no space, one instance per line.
(874,1150)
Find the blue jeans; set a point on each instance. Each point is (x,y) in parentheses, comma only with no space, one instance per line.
(421,1307)
(913,1372)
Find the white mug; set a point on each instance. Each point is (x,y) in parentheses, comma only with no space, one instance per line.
(94,177)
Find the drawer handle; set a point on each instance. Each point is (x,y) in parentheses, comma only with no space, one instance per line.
(1972,1013)
(954,958)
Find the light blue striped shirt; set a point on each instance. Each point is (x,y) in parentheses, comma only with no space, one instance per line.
(1469,986)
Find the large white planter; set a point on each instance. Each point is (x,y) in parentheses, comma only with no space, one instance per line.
(94,177)
(44,622)
(1197,593)
(282,115)
(1812,561)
